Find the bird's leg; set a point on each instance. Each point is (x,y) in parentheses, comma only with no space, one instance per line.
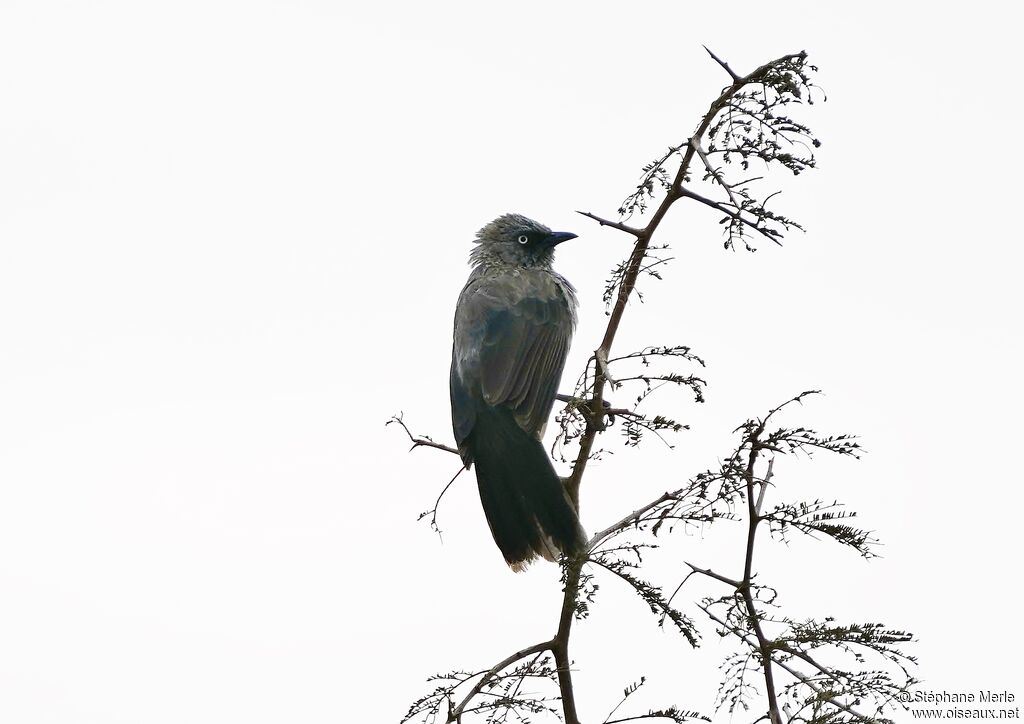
(585,408)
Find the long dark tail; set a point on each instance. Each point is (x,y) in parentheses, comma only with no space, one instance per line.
(524,501)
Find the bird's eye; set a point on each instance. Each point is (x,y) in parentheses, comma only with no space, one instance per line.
(523,238)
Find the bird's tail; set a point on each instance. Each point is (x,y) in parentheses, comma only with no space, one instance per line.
(523,498)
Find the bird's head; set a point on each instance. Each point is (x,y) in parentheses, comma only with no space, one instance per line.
(515,240)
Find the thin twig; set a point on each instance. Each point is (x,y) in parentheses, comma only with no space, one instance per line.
(629,692)
(613,224)
(695,142)
(738,215)
(649,715)
(420,441)
(634,516)
(437,503)
(717,576)
(764,486)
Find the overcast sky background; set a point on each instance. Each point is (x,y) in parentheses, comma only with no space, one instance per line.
(231,239)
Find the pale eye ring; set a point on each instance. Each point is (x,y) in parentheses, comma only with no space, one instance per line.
(523,238)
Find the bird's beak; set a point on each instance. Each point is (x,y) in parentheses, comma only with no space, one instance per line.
(557,237)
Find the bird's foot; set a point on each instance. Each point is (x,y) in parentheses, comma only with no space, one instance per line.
(586,409)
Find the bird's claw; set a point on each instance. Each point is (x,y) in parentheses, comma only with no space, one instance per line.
(597,419)
(585,408)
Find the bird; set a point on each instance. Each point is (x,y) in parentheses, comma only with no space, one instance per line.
(514,323)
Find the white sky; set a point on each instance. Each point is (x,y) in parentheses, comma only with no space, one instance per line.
(231,239)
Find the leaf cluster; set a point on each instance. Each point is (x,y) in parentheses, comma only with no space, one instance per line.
(752,123)
(624,562)
(643,372)
(834,672)
(501,695)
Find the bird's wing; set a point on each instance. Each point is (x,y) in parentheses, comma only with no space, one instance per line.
(512,335)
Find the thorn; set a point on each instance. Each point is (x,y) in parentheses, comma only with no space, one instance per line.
(732,74)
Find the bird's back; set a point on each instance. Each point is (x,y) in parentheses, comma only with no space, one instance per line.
(513,328)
